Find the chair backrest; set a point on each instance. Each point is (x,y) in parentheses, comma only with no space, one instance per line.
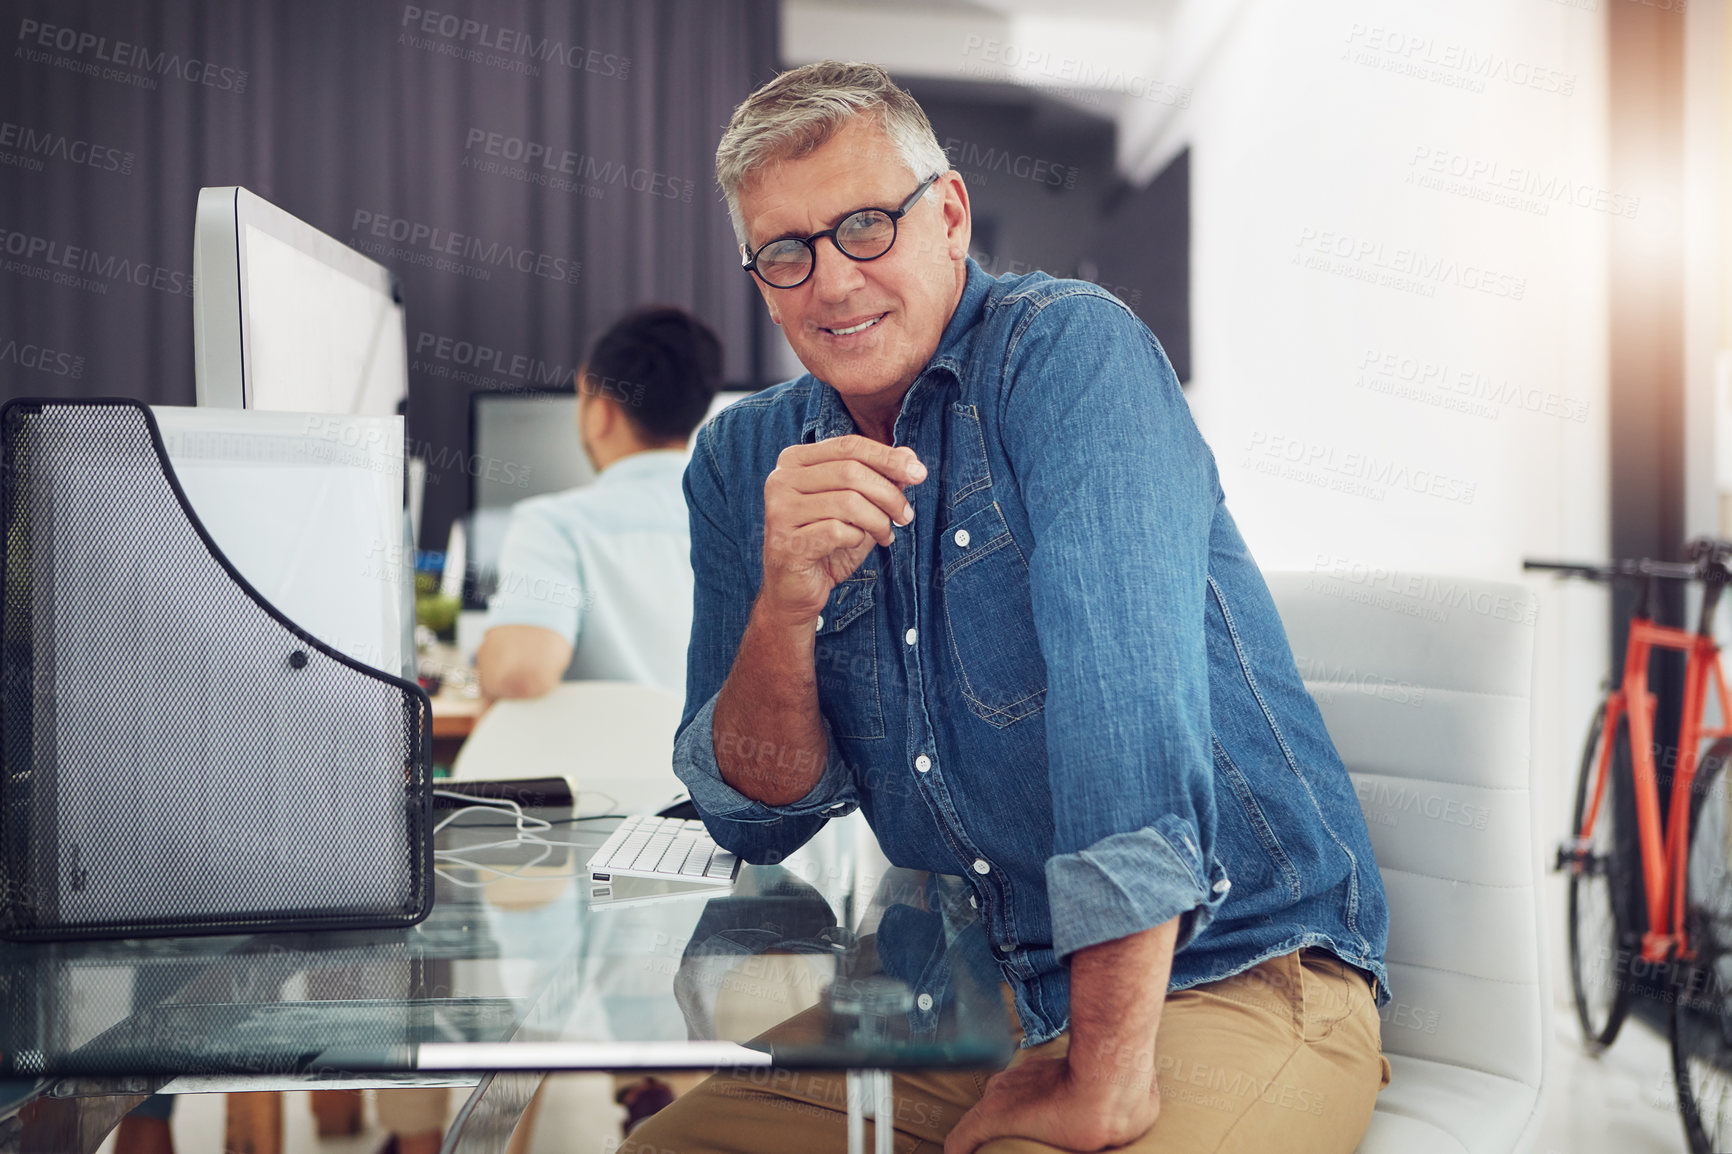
(1424,685)
(612,738)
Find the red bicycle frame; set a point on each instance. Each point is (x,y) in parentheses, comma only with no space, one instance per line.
(1662,855)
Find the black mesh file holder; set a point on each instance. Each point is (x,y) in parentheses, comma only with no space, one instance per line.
(176,755)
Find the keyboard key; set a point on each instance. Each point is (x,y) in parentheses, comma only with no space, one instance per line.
(652,853)
(675,855)
(628,850)
(697,860)
(722,865)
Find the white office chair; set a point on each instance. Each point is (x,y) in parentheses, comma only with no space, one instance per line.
(1431,717)
(613,740)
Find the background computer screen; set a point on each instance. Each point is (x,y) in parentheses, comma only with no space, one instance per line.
(523,444)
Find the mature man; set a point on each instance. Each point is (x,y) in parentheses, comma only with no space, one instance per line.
(973,573)
(595,583)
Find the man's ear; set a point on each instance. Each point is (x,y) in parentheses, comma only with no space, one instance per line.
(606,413)
(958,217)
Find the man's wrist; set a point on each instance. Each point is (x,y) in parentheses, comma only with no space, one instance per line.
(1112,1069)
(795,629)
(1118,989)
(766,733)
(1120,1100)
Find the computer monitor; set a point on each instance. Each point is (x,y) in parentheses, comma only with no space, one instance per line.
(523,444)
(289,319)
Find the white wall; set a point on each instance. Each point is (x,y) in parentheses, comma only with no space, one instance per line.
(1312,131)
(1707,378)
(1401,368)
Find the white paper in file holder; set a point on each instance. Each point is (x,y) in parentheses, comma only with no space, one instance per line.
(309,508)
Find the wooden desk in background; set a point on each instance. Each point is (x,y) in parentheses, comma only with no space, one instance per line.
(453,718)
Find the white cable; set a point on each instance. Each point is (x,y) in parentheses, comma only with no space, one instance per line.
(523,820)
(611,806)
(527,828)
(514,872)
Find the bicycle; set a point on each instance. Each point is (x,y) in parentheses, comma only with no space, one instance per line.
(1675,927)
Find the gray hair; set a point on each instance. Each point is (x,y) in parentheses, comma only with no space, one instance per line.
(796,113)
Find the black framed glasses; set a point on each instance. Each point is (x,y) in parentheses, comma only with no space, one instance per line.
(862,236)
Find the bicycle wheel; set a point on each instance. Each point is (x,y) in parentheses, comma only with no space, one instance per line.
(1606,917)
(1702,998)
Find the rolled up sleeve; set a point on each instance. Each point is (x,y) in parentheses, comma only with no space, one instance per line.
(724,588)
(695,763)
(1128,882)
(1121,494)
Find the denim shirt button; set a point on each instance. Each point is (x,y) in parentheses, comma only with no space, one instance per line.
(820,626)
(924,1001)
(923,763)
(910,636)
(962,538)
(1223,886)
(980,867)
(973,902)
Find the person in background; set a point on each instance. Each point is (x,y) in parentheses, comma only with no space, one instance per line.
(596,583)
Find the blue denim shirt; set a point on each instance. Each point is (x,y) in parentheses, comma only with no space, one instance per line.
(1066,680)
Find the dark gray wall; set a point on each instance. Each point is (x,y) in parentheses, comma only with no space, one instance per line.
(1045,196)
(366,118)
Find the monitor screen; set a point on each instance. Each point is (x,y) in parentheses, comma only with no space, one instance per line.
(524,444)
(288,319)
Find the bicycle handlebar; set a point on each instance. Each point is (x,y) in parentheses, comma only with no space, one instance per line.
(1708,563)
(1636,568)
(1709,558)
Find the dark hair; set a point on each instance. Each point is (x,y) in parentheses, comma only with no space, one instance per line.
(662,366)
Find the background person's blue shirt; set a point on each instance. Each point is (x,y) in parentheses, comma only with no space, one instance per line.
(1066,680)
(606,566)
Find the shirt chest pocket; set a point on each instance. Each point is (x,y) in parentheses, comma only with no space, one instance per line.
(846,659)
(989,616)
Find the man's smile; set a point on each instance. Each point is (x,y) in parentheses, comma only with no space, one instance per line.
(849,328)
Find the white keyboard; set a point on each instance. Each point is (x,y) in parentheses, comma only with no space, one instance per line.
(664,848)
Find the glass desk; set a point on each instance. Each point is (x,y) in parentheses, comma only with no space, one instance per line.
(524,967)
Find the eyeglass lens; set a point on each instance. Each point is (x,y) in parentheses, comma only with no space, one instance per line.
(864,235)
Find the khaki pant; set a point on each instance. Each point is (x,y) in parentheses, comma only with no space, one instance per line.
(1285,1056)
(412,1109)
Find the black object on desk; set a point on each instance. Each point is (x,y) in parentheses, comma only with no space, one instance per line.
(529,792)
(179,757)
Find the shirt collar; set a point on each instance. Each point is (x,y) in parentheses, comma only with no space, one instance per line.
(648,463)
(826,416)
(957,342)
